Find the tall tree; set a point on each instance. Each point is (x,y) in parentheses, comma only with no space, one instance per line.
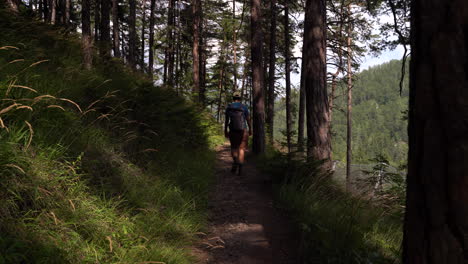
(143,24)
(349,104)
(115,28)
(196,4)
(151,39)
(288,76)
(302,106)
(53,11)
(132,35)
(436,226)
(256,42)
(86,31)
(318,145)
(13,5)
(97,19)
(270,117)
(105,39)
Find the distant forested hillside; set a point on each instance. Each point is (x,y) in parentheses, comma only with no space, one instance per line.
(379,116)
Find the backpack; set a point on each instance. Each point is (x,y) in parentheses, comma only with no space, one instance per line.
(236,117)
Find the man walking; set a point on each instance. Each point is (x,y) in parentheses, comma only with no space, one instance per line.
(237,120)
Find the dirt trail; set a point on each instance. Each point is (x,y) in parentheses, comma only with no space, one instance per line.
(245,228)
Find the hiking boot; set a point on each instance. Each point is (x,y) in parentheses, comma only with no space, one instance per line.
(239,169)
(234,167)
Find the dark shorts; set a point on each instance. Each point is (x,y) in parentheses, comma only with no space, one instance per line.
(239,139)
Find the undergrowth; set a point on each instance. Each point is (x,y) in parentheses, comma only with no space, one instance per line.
(335,227)
(96,166)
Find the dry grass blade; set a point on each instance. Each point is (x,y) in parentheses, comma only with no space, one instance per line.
(151,262)
(104,82)
(31,133)
(71,102)
(16,167)
(55,218)
(72,205)
(15,61)
(2,125)
(93,103)
(110,243)
(56,106)
(8,47)
(149,150)
(37,62)
(25,107)
(45,96)
(24,87)
(10,85)
(8,108)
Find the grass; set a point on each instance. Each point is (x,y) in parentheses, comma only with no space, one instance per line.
(96,166)
(335,227)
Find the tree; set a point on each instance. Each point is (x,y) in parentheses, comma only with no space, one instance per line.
(288,76)
(349,104)
(86,31)
(13,5)
(115,28)
(271,72)
(318,145)
(435,226)
(105,39)
(132,37)
(151,40)
(256,43)
(196,6)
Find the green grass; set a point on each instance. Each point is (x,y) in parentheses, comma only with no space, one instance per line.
(117,172)
(335,227)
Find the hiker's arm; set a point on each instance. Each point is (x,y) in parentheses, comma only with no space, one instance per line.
(249,123)
(226,125)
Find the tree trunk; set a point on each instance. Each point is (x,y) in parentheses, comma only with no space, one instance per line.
(53,11)
(86,31)
(349,186)
(115,27)
(143,22)
(67,13)
(170,52)
(288,76)
(256,43)
(302,106)
(203,58)
(132,37)
(97,19)
(318,145)
(270,117)
(234,44)
(151,40)
(436,221)
(105,39)
(196,49)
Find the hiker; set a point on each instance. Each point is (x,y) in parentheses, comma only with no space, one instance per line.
(237,119)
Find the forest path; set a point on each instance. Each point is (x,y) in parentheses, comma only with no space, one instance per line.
(244,227)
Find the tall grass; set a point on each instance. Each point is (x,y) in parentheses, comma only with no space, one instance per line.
(335,227)
(95,166)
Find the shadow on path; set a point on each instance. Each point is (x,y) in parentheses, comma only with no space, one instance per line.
(245,228)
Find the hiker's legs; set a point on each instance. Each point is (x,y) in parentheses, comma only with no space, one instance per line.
(243,145)
(235,153)
(241,155)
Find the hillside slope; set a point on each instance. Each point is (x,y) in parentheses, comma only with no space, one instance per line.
(96,166)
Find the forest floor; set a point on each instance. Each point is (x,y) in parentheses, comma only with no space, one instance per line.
(244,226)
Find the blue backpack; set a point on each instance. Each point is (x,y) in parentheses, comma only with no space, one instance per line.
(236,117)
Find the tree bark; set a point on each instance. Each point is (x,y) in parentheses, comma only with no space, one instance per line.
(302,106)
(436,220)
(115,28)
(318,145)
(256,43)
(97,19)
(105,39)
(234,44)
(270,117)
(203,58)
(132,37)
(86,31)
(68,6)
(143,22)
(288,76)
(196,49)
(151,40)
(53,11)
(349,186)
